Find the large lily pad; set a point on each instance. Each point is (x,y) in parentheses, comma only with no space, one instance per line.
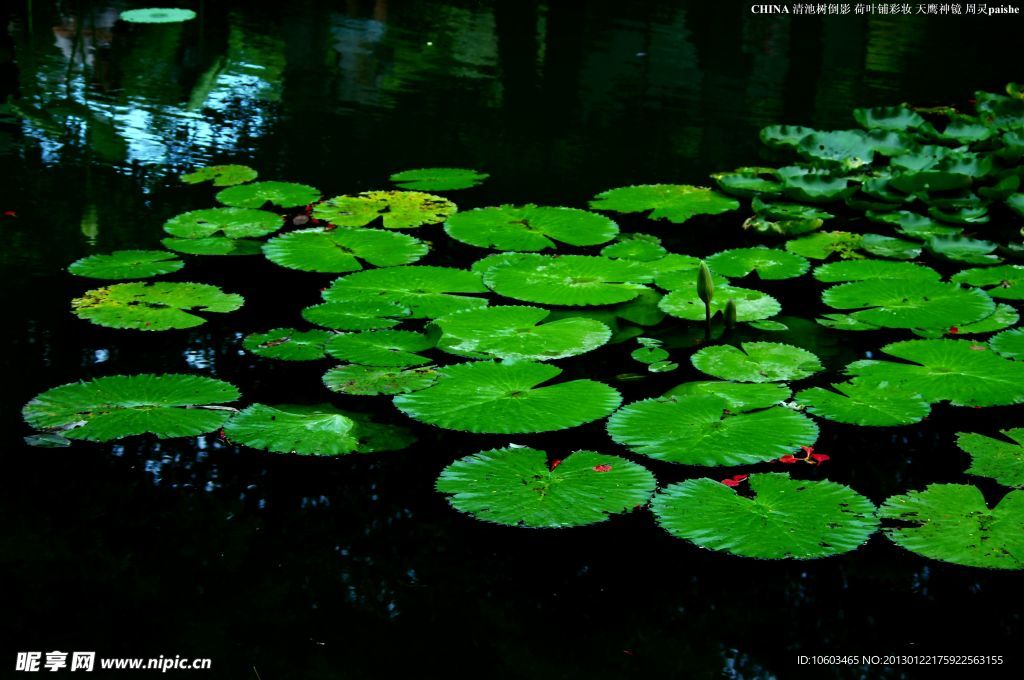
(570,280)
(153,306)
(380,348)
(116,406)
(738,396)
(1005,282)
(864,270)
(756,362)
(517,487)
(999,459)
(288,344)
(228,222)
(702,430)
(903,303)
(769,263)
(857,403)
(529,227)
(784,519)
(506,398)
(397,209)
(343,249)
(438,179)
(427,292)
(221,175)
(519,333)
(953,523)
(127,264)
(673,202)
(258,194)
(372,380)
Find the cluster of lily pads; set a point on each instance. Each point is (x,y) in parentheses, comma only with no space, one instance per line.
(475,350)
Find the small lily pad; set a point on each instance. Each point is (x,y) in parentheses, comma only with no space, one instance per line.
(427,292)
(343,249)
(380,348)
(397,209)
(288,344)
(229,222)
(438,179)
(373,380)
(637,247)
(756,362)
(673,202)
(999,459)
(153,306)
(769,263)
(258,194)
(529,228)
(906,303)
(127,264)
(221,175)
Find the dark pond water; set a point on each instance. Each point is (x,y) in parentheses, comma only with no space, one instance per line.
(278,567)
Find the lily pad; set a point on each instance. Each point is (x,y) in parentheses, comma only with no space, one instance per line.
(517,487)
(427,292)
(373,380)
(153,306)
(229,222)
(748,181)
(157,15)
(895,118)
(953,523)
(702,430)
(673,202)
(1005,282)
(769,263)
(380,348)
(438,179)
(738,396)
(127,264)
(1009,343)
(906,303)
(999,459)
(518,333)
(116,406)
(1016,203)
(857,403)
(868,270)
(221,175)
(751,305)
(756,362)
(343,249)
(963,249)
(505,398)
(288,344)
(637,247)
(784,136)
(530,227)
(355,316)
(570,280)
(397,209)
(213,245)
(258,194)
(821,245)
(784,518)
(318,430)
(1004,317)
(913,225)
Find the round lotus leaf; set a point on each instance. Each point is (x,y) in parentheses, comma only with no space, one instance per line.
(342,249)
(397,209)
(751,305)
(702,430)
(857,403)
(959,371)
(748,181)
(568,280)
(519,333)
(258,194)
(673,202)
(756,362)
(372,380)
(1009,343)
(914,225)
(953,523)
(221,175)
(288,344)
(803,184)
(895,118)
(516,487)
(649,355)
(783,136)
(529,227)
(505,398)
(963,249)
(127,264)
(228,222)
(102,409)
(769,263)
(637,247)
(903,303)
(438,179)
(380,348)
(999,459)
(427,292)
(864,270)
(153,306)
(785,518)
(822,244)
(355,316)
(1005,282)
(847,148)
(157,15)
(738,396)
(213,245)
(1004,317)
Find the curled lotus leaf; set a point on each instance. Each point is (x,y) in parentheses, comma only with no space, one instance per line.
(673,202)
(570,280)
(427,292)
(768,263)
(373,380)
(1005,282)
(814,186)
(288,344)
(343,249)
(127,264)
(895,118)
(529,228)
(756,362)
(396,209)
(907,303)
(857,403)
(380,348)
(258,194)
(228,222)
(784,136)
(153,306)
(999,459)
(220,175)
(516,487)
(116,406)
(438,179)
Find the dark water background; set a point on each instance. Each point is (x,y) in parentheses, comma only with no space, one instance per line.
(281,567)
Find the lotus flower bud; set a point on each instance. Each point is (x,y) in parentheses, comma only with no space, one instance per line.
(730,314)
(705,284)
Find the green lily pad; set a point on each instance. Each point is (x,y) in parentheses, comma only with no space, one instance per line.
(702,430)
(1005,282)
(999,459)
(1009,343)
(355,316)
(116,406)
(961,215)
(784,519)
(821,245)
(868,270)
(793,227)
(529,227)
(569,280)
(516,487)
(288,344)
(673,202)
(748,181)
(229,222)
(784,136)
(343,249)
(157,15)
(213,245)
(738,396)
(907,303)
(380,348)
(427,292)
(488,397)
(127,264)
(153,306)
(887,246)
(929,181)
(769,263)
(373,380)
(857,403)
(815,186)
(518,333)
(895,118)
(397,209)
(1016,203)
(847,148)
(756,362)
(953,523)
(220,175)
(959,371)
(1004,317)
(636,247)
(438,179)
(751,305)
(257,194)
(789,211)
(963,249)
(913,225)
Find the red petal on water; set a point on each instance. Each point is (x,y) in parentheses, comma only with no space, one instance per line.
(788,459)
(555,463)
(954,330)
(730,482)
(10,213)
(820,457)
(809,450)
(739,478)
(602,468)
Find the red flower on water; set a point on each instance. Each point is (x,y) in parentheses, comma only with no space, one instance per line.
(730,482)
(820,457)
(602,468)
(555,463)
(954,330)
(739,478)
(788,459)
(809,450)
